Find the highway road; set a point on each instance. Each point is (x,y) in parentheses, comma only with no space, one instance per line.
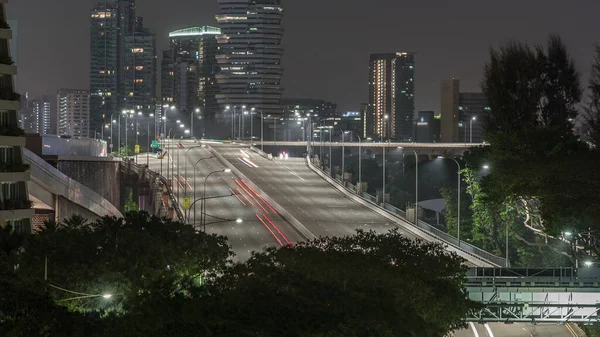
(323,210)
(252,234)
(519,330)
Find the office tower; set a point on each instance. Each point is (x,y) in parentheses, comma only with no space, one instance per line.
(188,73)
(122,63)
(449,91)
(303,106)
(73,112)
(43,110)
(14,47)
(139,70)
(104,64)
(471,107)
(15,207)
(28,121)
(391,109)
(427,127)
(250,52)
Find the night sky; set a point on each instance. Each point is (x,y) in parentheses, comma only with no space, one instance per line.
(327,42)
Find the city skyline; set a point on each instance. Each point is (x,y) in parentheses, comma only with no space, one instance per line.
(460,52)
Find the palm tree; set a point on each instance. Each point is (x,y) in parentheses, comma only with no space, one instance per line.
(10,240)
(75,221)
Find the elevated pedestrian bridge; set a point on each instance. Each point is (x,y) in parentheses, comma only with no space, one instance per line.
(513,295)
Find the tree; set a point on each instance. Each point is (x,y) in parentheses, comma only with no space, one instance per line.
(121,256)
(369,284)
(593,105)
(366,284)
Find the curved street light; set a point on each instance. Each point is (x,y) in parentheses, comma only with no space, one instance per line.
(203,205)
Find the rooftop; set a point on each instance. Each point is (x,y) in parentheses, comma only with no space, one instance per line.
(196,31)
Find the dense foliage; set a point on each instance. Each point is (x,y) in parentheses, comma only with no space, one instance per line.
(366,284)
(542,180)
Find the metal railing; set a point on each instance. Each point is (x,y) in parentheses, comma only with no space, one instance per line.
(153,176)
(424,226)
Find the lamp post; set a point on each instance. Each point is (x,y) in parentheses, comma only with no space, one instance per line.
(416,185)
(262,125)
(359,157)
(185,173)
(471,129)
(203,206)
(251,126)
(192,122)
(199,160)
(458,188)
(111,131)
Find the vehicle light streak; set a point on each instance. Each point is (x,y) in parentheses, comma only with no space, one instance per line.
(238,198)
(269,229)
(277,229)
(250,194)
(245,197)
(261,198)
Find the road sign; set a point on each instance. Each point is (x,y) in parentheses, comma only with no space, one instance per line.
(155,144)
(186,203)
(137,148)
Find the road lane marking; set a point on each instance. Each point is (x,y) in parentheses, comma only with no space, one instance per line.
(489,330)
(474,329)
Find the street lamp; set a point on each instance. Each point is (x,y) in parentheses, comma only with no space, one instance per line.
(458,188)
(199,160)
(359,158)
(471,129)
(588,263)
(416,185)
(203,206)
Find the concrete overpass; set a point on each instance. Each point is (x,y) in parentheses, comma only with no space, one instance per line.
(53,191)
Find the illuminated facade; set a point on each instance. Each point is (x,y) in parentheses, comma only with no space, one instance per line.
(391,108)
(73,112)
(122,62)
(188,72)
(103,63)
(250,53)
(139,70)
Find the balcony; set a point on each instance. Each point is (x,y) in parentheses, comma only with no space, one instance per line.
(15,204)
(12,136)
(17,214)
(7,66)
(10,100)
(12,172)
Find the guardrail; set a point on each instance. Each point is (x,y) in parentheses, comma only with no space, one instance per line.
(163,180)
(58,183)
(423,226)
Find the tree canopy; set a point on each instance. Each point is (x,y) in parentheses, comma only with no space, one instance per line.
(123,256)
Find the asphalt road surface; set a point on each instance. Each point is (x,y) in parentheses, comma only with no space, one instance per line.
(519,330)
(322,209)
(252,234)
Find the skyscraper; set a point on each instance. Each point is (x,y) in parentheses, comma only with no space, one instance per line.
(43,111)
(449,91)
(391,107)
(15,207)
(188,72)
(73,112)
(139,70)
(104,65)
(122,63)
(250,52)
(471,107)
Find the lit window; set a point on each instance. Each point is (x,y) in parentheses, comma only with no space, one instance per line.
(139,80)
(139,68)
(137,50)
